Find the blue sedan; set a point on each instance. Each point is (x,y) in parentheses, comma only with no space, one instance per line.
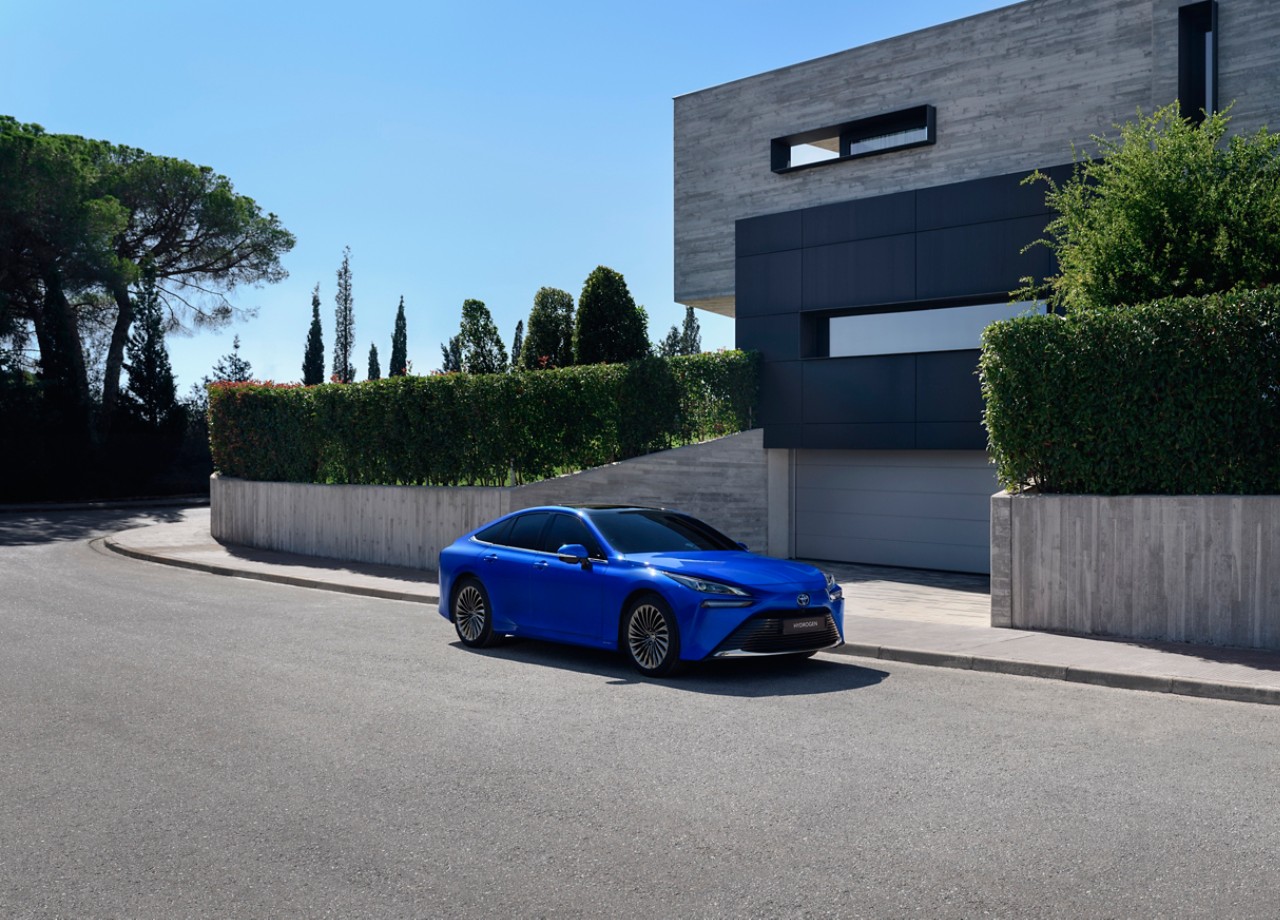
(661,586)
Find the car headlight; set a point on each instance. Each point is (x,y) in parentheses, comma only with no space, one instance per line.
(706,586)
(833,587)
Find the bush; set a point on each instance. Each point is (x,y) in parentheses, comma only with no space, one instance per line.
(478,429)
(1173,397)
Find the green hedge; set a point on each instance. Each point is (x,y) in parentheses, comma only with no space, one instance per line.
(1177,397)
(483,429)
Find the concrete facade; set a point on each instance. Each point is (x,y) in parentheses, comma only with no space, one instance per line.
(1201,569)
(724,482)
(1014,88)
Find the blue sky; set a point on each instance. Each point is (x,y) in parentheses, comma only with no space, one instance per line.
(460,149)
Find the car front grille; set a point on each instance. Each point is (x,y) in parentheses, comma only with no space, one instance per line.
(762,635)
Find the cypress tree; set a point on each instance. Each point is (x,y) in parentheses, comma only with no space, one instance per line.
(517,342)
(313,358)
(399,365)
(344,324)
(375,372)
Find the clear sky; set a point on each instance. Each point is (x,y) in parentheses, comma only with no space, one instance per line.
(460,149)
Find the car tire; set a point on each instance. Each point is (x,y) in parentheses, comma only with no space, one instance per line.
(472,614)
(650,637)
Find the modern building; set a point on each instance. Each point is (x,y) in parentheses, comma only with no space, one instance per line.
(862,216)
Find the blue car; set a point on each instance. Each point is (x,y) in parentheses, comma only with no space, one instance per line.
(661,586)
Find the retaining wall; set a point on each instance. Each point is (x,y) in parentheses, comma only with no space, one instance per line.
(724,482)
(1201,569)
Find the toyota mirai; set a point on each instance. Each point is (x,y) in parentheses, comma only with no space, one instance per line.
(661,586)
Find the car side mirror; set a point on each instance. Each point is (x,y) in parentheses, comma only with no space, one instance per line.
(573,553)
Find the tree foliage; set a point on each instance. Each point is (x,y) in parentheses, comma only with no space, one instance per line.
(231,368)
(683,340)
(78,220)
(375,372)
(399,364)
(480,346)
(517,343)
(313,357)
(548,340)
(152,392)
(451,356)
(1167,209)
(344,324)
(610,327)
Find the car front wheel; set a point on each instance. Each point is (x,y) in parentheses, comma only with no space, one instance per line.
(650,637)
(472,615)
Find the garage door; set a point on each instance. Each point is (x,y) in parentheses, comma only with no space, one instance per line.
(924,509)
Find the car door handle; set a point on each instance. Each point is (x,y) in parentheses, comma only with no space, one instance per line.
(541,564)
(491,557)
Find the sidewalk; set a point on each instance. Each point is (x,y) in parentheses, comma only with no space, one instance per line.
(927,618)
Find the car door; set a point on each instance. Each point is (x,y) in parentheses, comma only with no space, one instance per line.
(565,597)
(507,568)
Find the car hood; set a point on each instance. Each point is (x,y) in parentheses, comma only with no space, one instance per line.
(736,567)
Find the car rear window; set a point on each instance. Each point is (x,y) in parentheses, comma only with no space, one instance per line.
(495,533)
(639,530)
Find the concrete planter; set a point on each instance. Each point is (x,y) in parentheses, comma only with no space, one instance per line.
(1201,569)
(722,481)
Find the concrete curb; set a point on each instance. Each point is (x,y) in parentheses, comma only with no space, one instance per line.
(296,581)
(1117,680)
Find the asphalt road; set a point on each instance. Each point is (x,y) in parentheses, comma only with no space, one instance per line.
(175,744)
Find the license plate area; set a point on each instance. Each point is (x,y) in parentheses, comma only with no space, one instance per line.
(799,625)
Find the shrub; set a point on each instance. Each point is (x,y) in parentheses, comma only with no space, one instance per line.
(478,429)
(1172,397)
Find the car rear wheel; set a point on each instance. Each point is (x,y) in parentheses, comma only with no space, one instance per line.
(650,637)
(472,615)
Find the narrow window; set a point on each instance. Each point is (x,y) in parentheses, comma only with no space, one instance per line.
(1198,59)
(912,127)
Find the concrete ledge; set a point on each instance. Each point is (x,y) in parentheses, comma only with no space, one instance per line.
(1200,569)
(724,482)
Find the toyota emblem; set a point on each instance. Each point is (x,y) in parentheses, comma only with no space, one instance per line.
(802,600)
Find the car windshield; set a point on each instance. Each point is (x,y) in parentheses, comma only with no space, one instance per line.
(641,530)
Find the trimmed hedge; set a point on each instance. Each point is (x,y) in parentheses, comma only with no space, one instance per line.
(1176,397)
(478,429)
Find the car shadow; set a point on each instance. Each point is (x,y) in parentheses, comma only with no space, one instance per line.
(742,677)
(32,528)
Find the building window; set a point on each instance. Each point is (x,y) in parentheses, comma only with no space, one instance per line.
(912,331)
(1198,59)
(902,130)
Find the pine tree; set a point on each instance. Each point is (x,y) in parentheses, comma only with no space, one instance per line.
(610,327)
(231,368)
(344,325)
(313,358)
(399,364)
(549,338)
(375,372)
(517,342)
(151,392)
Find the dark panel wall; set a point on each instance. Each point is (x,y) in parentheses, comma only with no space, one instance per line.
(921,249)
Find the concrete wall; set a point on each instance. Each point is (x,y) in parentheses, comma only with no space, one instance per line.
(1201,569)
(1014,88)
(724,482)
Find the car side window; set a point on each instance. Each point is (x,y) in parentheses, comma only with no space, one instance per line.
(526,532)
(495,533)
(565,529)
